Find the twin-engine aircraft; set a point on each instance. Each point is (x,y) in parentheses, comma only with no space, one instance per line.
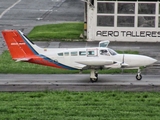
(93,58)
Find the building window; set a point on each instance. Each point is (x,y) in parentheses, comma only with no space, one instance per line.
(105,21)
(146,21)
(126,8)
(159,21)
(159,8)
(105,8)
(125,21)
(146,8)
(126,14)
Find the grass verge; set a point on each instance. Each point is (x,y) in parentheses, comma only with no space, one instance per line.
(57,31)
(108,105)
(7,65)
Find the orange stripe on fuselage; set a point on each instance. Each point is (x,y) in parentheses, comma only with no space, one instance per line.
(38,60)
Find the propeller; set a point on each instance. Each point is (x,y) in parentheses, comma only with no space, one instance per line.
(122,61)
(122,64)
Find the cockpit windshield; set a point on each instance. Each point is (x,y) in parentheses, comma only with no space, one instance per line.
(112,52)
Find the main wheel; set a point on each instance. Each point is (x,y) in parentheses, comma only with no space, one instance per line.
(93,79)
(139,77)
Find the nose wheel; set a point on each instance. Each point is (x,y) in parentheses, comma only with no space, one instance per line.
(94,76)
(139,76)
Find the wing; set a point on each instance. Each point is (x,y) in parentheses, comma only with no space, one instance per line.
(117,65)
(99,62)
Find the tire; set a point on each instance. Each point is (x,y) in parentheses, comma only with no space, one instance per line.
(139,77)
(93,80)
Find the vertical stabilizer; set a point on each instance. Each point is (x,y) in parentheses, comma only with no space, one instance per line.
(18,45)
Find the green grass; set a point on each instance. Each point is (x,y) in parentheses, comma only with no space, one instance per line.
(57,31)
(7,65)
(64,105)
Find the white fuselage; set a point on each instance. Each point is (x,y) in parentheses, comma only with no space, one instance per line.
(97,57)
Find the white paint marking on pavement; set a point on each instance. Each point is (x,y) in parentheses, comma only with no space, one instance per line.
(1,15)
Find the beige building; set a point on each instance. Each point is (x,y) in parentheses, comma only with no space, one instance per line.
(116,20)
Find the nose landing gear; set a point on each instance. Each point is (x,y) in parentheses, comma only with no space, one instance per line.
(139,76)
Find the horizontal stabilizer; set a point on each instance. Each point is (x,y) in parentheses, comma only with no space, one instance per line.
(22,59)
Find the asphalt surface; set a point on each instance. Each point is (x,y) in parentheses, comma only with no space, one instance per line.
(78,82)
(25,14)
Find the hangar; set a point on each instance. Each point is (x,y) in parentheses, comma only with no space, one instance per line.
(118,20)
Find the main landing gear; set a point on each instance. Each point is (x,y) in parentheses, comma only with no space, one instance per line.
(94,76)
(139,76)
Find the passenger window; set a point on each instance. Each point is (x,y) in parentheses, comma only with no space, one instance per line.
(66,53)
(60,54)
(90,52)
(73,53)
(82,53)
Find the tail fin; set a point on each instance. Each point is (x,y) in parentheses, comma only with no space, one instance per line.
(18,44)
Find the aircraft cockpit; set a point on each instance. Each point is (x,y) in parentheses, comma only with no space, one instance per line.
(104,50)
(107,52)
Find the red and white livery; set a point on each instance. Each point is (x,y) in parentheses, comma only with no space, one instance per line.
(93,58)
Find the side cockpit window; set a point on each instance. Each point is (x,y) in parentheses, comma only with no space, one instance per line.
(103,52)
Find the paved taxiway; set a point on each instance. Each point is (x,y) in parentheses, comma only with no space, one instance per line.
(25,14)
(77,82)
